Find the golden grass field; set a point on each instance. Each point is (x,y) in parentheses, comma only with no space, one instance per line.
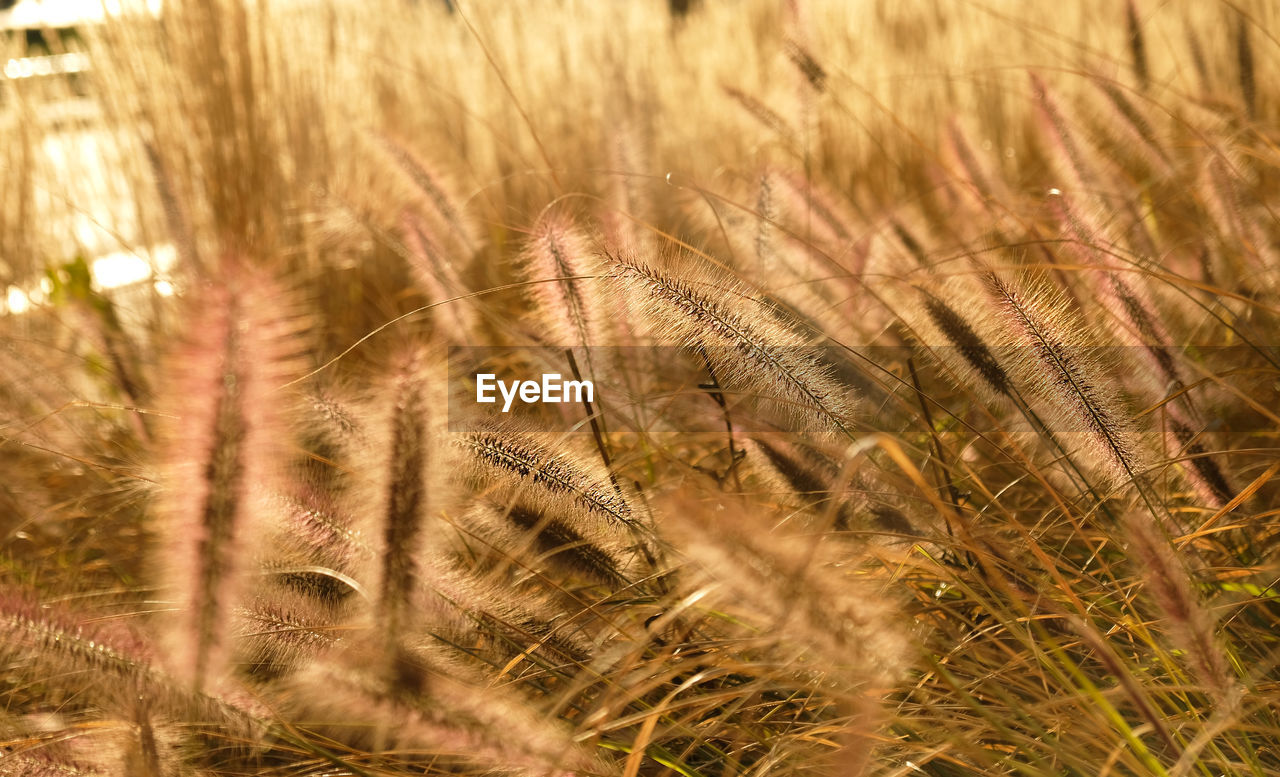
(936,375)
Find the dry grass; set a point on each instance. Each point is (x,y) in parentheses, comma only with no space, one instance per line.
(934,428)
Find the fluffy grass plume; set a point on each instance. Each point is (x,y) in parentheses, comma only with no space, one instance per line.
(1054,360)
(406,491)
(571,306)
(506,455)
(220,452)
(749,345)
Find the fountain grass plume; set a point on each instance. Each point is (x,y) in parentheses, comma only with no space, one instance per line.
(594,552)
(437,193)
(110,666)
(438,276)
(783,585)
(402,490)
(1055,361)
(281,631)
(1137,45)
(503,454)
(766,116)
(1188,622)
(426,706)
(959,334)
(569,308)
(1244,61)
(219,456)
(750,347)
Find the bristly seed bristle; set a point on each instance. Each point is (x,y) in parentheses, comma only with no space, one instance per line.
(594,555)
(1060,371)
(516,457)
(1137,45)
(1244,60)
(406,495)
(569,306)
(749,349)
(1191,626)
(968,343)
(1201,468)
(221,456)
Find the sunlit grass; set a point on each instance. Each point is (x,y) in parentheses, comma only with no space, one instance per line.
(933,429)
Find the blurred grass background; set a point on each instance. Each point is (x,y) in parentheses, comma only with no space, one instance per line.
(270,131)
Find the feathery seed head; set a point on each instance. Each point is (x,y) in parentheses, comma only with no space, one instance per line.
(595,551)
(960,335)
(1057,362)
(501,453)
(569,308)
(221,454)
(749,346)
(1190,625)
